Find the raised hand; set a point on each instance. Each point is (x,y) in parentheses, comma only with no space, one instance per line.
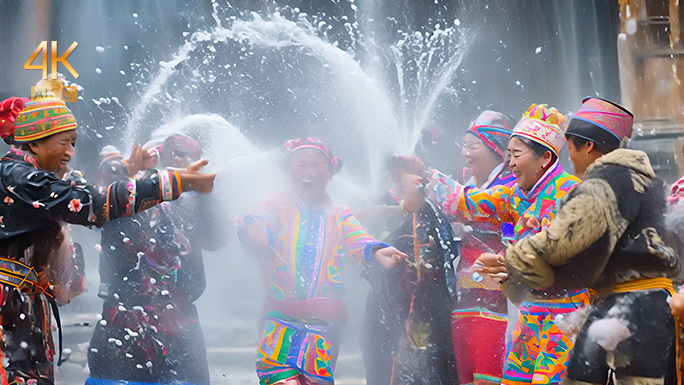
(194,180)
(135,160)
(150,158)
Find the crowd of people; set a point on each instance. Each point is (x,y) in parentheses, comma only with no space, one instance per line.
(515,272)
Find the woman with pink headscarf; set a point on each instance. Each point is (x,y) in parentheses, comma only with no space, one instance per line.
(301,237)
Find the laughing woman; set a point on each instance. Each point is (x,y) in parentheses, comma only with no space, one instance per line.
(539,349)
(300,239)
(33,204)
(479,320)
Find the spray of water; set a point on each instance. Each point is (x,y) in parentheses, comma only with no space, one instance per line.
(383,123)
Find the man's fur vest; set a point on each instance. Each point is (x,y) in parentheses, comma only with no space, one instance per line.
(607,231)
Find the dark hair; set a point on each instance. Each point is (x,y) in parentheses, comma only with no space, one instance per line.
(22,146)
(603,148)
(538,149)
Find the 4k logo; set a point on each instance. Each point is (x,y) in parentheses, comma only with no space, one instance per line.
(52,86)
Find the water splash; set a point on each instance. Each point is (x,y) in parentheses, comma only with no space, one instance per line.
(380,113)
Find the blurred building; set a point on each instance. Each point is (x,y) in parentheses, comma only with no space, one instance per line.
(651,63)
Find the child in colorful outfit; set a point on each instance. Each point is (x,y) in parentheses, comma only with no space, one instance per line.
(539,349)
(34,205)
(607,236)
(301,239)
(479,320)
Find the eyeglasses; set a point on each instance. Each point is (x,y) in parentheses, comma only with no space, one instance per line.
(471,146)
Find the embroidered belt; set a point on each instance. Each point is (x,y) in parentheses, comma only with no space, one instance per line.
(16,274)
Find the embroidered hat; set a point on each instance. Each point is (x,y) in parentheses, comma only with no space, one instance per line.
(42,118)
(493,130)
(542,125)
(294,145)
(601,121)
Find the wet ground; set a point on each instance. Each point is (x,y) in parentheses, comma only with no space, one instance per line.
(231,360)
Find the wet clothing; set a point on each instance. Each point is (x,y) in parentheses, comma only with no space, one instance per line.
(33,203)
(304,273)
(151,272)
(407,333)
(480,317)
(607,232)
(644,353)
(607,236)
(530,213)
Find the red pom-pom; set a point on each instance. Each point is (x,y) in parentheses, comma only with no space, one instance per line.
(9,110)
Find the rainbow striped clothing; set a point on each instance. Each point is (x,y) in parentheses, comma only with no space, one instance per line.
(503,203)
(308,246)
(539,350)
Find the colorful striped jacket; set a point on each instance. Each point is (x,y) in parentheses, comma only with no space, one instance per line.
(307,247)
(529,212)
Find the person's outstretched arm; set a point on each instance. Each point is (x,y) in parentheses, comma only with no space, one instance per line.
(55,199)
(459,202)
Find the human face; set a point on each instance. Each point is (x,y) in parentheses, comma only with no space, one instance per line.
(479,158)
(309,173)
(527,168)
(55,151)
(581,157)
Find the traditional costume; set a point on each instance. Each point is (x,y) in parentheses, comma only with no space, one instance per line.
(407,335)
(151,273)
(33,204)
(607,236)
(304,311)
(480,317)
(539,349)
